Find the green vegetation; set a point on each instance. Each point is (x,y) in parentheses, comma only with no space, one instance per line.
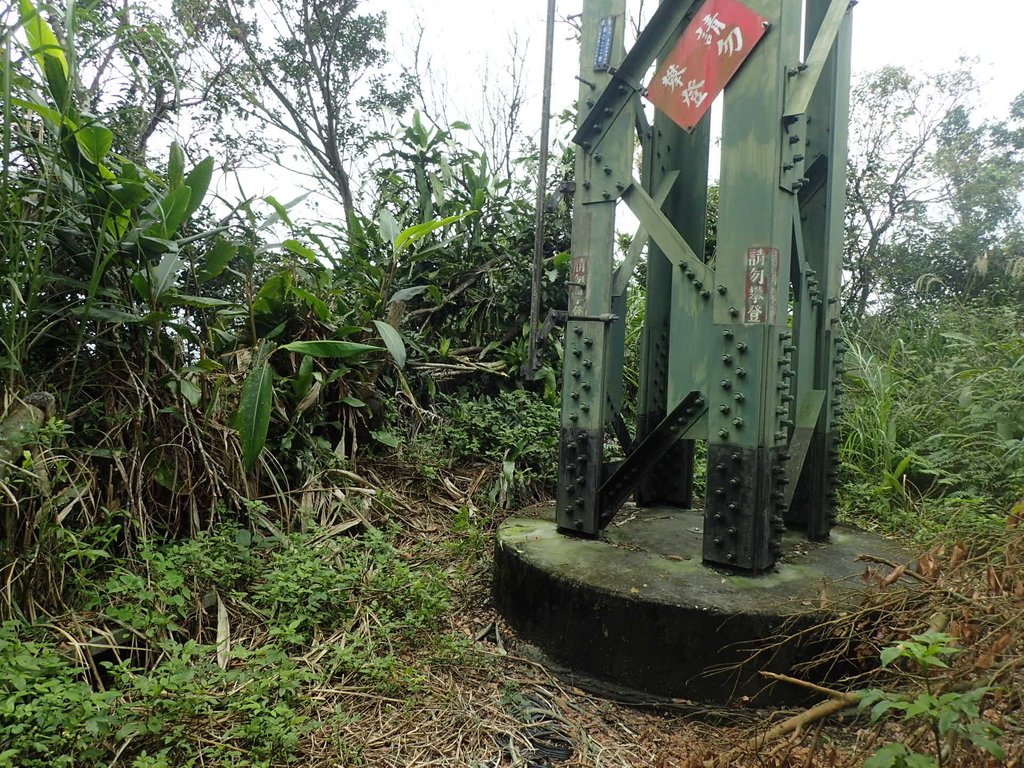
(953,718)
(933,422)
(215,649)
(279,444)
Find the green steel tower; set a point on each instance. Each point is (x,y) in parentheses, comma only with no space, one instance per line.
(740,345)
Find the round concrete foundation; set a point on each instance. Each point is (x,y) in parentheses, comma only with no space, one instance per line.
(638,609)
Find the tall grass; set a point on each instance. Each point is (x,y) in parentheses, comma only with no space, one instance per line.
(934,423)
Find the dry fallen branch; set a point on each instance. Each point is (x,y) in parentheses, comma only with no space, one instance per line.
(836,703)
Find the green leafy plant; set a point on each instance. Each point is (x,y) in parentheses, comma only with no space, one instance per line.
(952,718)
(516,430)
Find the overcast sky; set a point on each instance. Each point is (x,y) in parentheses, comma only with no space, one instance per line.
(926,35)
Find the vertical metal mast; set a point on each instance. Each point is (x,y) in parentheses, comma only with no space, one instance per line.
(542,183)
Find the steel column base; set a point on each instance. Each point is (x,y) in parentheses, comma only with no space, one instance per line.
(639,610)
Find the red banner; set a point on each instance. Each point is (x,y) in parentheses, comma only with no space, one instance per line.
(710,52)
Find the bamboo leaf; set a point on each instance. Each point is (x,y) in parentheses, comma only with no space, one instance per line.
(217,260)
(393,341)
(190,391)
(331,349)
(223,634)
(414,234)
(170,212)
(294,246)
(164,275)
(41,39)
(388,228)
(175,166)
(253,418)
(48,113)
(94,142)
(198,181)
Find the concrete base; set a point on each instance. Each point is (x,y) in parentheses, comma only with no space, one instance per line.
(639,609)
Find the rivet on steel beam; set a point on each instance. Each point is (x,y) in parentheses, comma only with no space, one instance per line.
(720,467)
(717,542)
(739,397)
(724,408)
(734,312)
(734,507)
(726,384)
(698,284)
(606,195)
(579,525)
(705,294)
(737,458)
(741,372)
(607,170)
(730,556)
(731,531)
(575,395)
(727,359)
(722,290)
(587,185)
(728,334)
(738,423)
(577,352)
(719,492)
(585,408)
(588,364)
(735,482)
(723,433)
(742,347)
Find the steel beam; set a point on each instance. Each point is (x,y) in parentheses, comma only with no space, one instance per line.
(591,359)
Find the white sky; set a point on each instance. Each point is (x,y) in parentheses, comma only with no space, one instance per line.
(926,35)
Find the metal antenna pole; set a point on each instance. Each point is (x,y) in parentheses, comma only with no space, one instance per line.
(542,184)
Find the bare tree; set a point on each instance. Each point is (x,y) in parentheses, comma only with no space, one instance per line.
(895,124)
(316,71)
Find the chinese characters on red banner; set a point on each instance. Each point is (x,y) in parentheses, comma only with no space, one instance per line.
(709,53)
